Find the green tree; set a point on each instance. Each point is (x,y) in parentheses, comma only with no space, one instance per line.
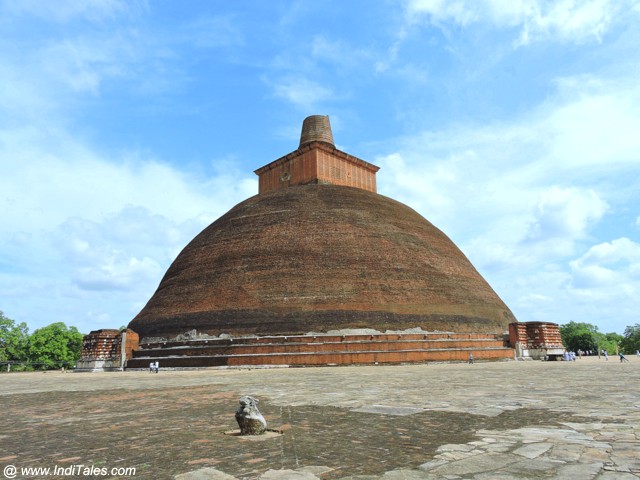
(610,342)
(55,346)
(630,343)
(14,340)
(579,336)
(584,336)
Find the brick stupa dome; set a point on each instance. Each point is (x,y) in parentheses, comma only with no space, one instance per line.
(317,250)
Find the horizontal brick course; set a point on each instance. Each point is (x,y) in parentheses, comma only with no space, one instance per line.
(321,350)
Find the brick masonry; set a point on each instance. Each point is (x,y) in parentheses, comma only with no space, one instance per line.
(319,250)
(536,339)
(319,258)
(104,349)
(317,163)
(315,350)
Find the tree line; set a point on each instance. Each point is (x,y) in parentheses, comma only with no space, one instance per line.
(52,347)
(578,336)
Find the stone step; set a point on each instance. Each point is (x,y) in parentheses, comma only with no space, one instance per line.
(318,347)
(323,338)
(326,358)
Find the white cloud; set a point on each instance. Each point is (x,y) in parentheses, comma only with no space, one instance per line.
(45,78)
(42,189)
(565,213)
(563,20)
(524,199)
(66,10)
(609,264)
(569,21)
(77,222)
(549,174)
(331,50)
(213,32)
(78,64)
(342,55)
(86,231)
(301,92)
(442,10)
(117,272)
(597,125)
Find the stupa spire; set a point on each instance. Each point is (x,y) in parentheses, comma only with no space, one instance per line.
(316,128)
(317,161)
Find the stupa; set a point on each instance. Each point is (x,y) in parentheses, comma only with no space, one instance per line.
(319,250)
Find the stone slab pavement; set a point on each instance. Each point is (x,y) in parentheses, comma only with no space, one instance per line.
(494,420)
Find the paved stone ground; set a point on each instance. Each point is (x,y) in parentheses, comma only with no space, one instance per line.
(506,420)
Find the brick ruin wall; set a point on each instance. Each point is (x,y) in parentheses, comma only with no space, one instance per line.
(336,171)
(317,163)
(106,344)
(535,335)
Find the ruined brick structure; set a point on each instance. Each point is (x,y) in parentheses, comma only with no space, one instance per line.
(314,350)
(536,340)
(107,350)
(317,161)
(319,250)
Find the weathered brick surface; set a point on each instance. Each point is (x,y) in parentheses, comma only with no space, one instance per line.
(323,350)
(316,128)
(317,163)
(319,258)
(103,348)
(102,344)
(535,334)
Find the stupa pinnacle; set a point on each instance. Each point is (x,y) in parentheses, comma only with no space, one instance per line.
(317,161)
(316,128)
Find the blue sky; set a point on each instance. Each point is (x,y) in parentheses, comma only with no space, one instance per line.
(126,127)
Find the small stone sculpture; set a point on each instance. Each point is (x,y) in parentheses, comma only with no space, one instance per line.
(249,418)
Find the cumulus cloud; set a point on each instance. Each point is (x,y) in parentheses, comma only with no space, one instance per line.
(565,213)
(107,226)
(526,199)
(597,122)
(615,263)
(545,175)
(90,230)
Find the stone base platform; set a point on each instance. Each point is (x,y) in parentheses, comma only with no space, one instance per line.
(322,350)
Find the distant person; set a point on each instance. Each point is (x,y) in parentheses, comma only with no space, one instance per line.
(623,358)
(157,367)
(152,367)
(637,353)
(606,355)
(471,359)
